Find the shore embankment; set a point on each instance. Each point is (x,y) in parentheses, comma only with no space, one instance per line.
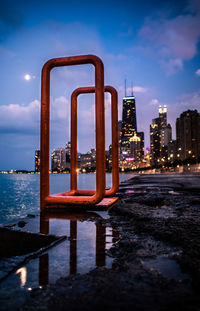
(156,259)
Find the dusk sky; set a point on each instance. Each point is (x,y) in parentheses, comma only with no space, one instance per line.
(154,44)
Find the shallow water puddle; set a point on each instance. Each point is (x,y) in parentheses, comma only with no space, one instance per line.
(83,250)
(132,189)
(168,267)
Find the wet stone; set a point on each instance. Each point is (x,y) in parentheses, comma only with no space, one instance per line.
(21,223)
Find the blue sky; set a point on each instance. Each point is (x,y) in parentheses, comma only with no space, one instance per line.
(154,44)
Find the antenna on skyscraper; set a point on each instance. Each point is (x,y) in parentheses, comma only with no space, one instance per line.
(125,86)
(131,88)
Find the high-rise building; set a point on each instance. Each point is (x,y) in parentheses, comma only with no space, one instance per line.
(88,160)
(166,135)
(154,141)
(131,142)
(147,157)
(37,160)
(119,130)
(188,135)
(58,160)
(137,149)
(129,124)
(172,147)
(162,116)
(160,137)
(68,154)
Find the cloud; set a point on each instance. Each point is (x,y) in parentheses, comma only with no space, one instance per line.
(60,109)
(173,40)
(73,38)
(20,120)
(172,65)
(198,72)
(16,118)
(6,52)
(154,101)
(134,89)
(194,6)
(139,89)
(25,119)
(189,101)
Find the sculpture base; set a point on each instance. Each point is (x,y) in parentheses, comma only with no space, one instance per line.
(102,205)
(106,202)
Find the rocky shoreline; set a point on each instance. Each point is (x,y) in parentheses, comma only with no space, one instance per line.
(156,260)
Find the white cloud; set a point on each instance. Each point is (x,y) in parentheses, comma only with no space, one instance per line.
(172,65)
(173,40)
(25,119)
(154,101)
(134,89)
(19,118)
(139,89)
(198,72)
(6,52)
(60,108)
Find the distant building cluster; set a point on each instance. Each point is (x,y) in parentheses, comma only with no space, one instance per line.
(164,152)
(185,149)
(60,160)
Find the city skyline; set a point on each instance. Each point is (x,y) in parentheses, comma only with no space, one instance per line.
(164,153)
(154,45)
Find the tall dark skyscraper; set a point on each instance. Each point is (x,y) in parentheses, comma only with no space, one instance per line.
(129,124)
(131,142)
(188,135)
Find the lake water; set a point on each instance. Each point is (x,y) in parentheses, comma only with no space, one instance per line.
(20,193)
(84,248)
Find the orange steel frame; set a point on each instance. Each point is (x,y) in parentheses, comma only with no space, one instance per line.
(87,197)
(115,157)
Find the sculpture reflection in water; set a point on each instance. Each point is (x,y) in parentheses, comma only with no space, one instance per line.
(101,241)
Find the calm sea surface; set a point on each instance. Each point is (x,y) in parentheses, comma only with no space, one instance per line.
(19,193)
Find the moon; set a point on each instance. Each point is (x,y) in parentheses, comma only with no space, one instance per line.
(27,77)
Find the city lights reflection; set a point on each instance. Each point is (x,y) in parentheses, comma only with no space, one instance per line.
(23,275)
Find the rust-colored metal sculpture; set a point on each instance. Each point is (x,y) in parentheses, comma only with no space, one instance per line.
(77,197)
(115,158)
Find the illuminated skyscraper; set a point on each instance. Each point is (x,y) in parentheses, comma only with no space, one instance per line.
(131,142)
(155,141)
(137,149)
(160,136)
(129,125)
(68,154)
(37,160)
(162,116)
(58,160)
